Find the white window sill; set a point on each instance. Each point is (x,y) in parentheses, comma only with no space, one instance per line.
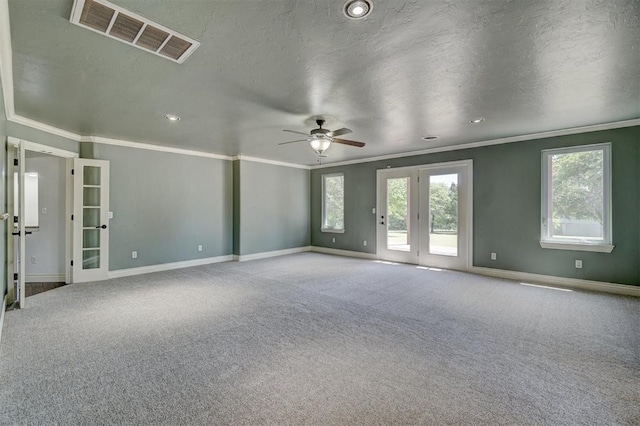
(332,231)
(600,248)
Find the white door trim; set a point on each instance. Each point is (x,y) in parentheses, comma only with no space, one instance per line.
(57,152)
(22,246)
(45,149)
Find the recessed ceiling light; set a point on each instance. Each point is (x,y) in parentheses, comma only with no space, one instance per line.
(476,120)
(172,117)
(356,9)
(429,138)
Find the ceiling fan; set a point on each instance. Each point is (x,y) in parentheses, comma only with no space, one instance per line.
(321,139)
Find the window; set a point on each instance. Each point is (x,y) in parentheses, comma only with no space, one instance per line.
(576,198)
(333,203)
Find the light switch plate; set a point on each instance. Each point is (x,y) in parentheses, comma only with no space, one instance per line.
(110,215)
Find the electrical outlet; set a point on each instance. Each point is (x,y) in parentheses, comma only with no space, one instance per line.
(134,254)
(110,215)
(44,210)
(200,247)
(364,243)
(494,256)
(333,240)
(578,264)
(33,260)
(373,210)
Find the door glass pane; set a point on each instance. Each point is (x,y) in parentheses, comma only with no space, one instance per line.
(398,214)
(90,217)
(91,259)
(443,214)
(91,238)
(91,175)
(91,196)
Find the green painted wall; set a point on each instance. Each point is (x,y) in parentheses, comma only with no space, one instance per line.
(165,205)
(274,207)
(507,207)
(3,198)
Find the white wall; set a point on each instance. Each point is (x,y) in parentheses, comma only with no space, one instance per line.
(48,244)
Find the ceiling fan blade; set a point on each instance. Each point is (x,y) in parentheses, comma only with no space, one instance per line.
(348,142)
(293,131)
(340,132)
(300,140)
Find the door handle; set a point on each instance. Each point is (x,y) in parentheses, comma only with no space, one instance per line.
(102,226)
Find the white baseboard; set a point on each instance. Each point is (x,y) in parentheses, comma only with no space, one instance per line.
(347,253)
(275,253)
(45,278)
(628,290)
(168,266)
(2,309)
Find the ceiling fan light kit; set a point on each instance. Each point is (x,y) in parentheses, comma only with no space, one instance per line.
(321,139)
(320,145)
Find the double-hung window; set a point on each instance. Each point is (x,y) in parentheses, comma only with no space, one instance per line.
(333,202)
(576,198)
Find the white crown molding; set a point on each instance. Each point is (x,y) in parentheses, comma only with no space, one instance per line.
(47,128)
(167,266)
(629,290)
(272,162)
(152,147)
(267,254)
(6,65)
(521,138)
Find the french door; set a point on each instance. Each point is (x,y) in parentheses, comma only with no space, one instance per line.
(91,218)
(425,213)
(398,240)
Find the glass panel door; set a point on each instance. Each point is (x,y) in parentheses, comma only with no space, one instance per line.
(445,191)
(91,234)
(397,216)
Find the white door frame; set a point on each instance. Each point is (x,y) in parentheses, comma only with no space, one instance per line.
(417,171)
(36,147)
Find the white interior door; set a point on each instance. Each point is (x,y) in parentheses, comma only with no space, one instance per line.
(445,210)
(90,220)
(397,215)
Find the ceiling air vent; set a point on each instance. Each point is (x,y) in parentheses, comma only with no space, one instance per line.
(115,22)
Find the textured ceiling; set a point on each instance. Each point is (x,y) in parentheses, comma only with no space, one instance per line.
(412,68)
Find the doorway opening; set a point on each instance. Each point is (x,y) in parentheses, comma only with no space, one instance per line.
(45,195)
(26,208)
